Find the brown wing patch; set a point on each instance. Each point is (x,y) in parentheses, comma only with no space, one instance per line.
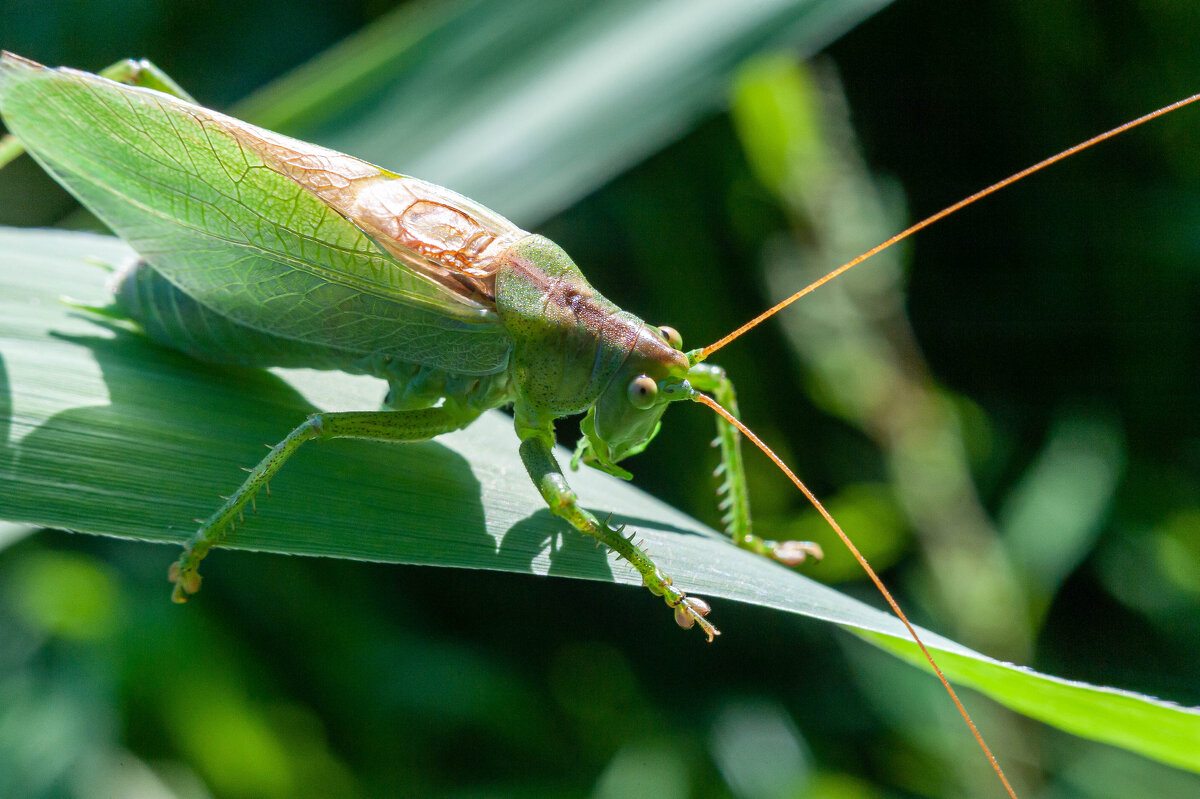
(449,239)
(447,235)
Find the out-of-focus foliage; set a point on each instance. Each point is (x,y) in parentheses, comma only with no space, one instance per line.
(1058,326)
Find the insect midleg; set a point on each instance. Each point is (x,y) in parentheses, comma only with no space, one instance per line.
(131,72)
(736,497)
(538,456)
(393,426)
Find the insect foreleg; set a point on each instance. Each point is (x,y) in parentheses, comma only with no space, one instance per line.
(538,457)
(735,501)
(395,426)
(130,71)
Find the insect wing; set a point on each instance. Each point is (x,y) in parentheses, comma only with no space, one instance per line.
(234,231)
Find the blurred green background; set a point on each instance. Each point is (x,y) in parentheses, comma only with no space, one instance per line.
(1003,412)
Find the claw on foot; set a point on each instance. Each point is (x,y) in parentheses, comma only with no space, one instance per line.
(793,553)
(691,611)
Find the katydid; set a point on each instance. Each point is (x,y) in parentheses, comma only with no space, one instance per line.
(260,250)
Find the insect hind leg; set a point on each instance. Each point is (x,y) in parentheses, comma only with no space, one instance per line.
(393,426)
(733,492)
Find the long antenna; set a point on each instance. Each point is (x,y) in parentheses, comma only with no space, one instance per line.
(862,561)
(942,214)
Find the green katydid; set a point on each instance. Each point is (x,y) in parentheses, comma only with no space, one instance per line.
(261,250)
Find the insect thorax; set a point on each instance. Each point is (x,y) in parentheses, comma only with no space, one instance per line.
(568,339)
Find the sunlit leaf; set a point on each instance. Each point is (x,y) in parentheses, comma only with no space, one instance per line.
(103,432)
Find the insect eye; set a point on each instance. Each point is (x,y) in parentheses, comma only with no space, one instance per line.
(672,336)
(642,391)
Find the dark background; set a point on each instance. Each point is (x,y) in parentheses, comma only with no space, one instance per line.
(1058,326)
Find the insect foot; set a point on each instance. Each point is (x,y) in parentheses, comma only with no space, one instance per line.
(186,577)
(793,553)
(789,553)
(691,611)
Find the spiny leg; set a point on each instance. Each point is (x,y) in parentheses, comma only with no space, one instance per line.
(394,426)
(538,456)
(735,502)
(130,71)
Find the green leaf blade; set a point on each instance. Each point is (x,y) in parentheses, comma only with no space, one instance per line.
(103,432)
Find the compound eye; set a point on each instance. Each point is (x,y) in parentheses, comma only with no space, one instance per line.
(642,391)
(672,336)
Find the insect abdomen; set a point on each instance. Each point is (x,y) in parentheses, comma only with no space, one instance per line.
(172,318)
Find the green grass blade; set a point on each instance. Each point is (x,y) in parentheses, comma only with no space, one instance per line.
(1152,727)
(103,432)
(527,106)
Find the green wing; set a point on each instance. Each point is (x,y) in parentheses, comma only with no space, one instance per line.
(233,231)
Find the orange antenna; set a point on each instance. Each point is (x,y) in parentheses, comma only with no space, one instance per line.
(862,561)
(942,214)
